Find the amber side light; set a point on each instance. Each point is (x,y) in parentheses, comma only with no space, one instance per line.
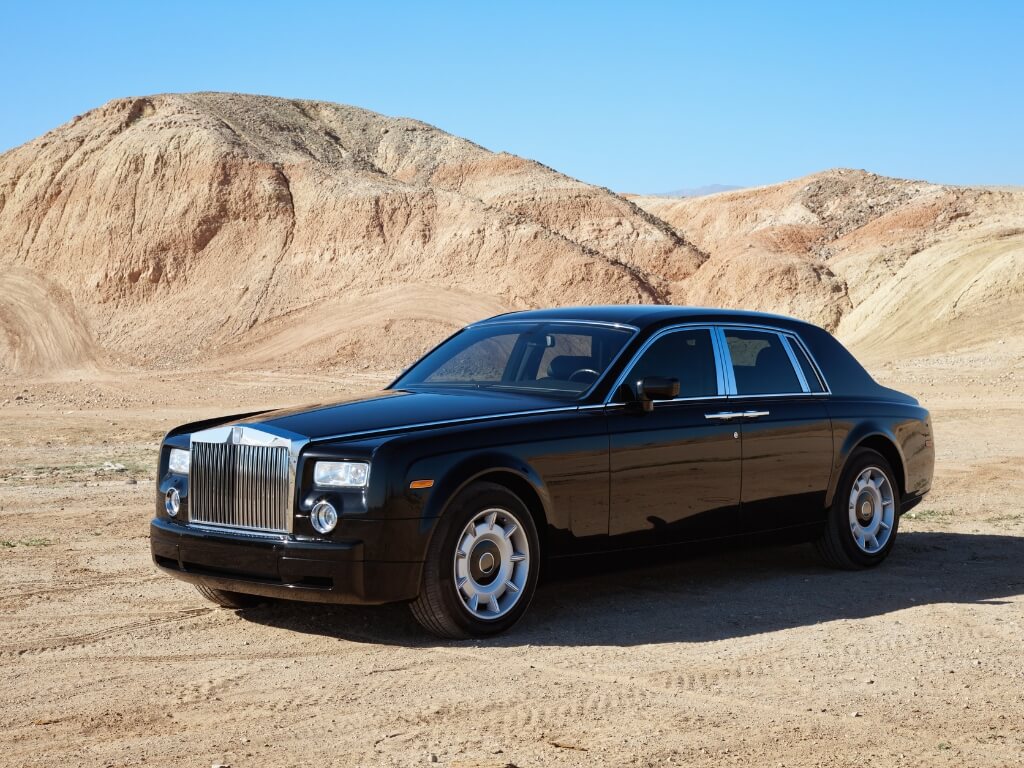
(418,484)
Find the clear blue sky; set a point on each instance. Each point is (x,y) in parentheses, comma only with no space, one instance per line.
(641,97)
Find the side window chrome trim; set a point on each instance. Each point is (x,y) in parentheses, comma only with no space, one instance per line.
(553,321)
(723,362)
(794,362)
(726,357)
(661,403)
(769,395)
(814,365)
(784,337)
(719,370)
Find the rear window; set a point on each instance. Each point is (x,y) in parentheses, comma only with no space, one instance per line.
(760,363)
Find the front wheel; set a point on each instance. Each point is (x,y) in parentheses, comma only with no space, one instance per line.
(482,565)
(865,514)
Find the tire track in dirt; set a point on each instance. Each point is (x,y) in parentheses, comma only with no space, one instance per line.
(63,642)
(62,588)
(614,693)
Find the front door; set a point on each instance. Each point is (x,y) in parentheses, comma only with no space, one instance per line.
(675,474)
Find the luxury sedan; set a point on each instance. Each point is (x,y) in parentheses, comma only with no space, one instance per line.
(540,435)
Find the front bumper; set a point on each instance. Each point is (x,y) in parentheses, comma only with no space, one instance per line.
(293,569)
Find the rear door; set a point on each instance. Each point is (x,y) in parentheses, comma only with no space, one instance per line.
(785,427)
(675,474)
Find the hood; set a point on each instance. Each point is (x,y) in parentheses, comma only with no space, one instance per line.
(395,409)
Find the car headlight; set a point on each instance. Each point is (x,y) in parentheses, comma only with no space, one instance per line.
(179,461)
(341,474)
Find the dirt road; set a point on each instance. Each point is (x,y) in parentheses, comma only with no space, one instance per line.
(754,657)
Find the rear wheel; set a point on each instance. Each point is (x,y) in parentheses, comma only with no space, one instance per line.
(482,565)
(226,599)
(865,514)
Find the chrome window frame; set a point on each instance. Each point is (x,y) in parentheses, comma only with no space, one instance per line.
(786,337)
(720,376)
(822,381)
(723,363)
(511,321)
(795,363)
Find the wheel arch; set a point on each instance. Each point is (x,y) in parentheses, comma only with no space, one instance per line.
(878,439)
(521,487)
(506,471)
(890,450)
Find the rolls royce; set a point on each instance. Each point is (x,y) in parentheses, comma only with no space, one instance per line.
(540,435)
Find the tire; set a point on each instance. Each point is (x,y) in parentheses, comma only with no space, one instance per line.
(486,545)
(226,599)
(852,539)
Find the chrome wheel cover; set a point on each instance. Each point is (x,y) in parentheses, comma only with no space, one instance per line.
(872,510)
(491,564)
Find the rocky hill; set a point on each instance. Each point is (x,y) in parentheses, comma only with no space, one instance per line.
(215,227)
(240,231)
(894,267)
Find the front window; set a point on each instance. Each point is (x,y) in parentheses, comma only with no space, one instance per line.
(548,358)
(687,355)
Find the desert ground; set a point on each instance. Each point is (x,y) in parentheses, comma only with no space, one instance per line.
(171,257)
(750,657)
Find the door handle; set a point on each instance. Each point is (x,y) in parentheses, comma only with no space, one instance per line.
(754,414)
(723,416)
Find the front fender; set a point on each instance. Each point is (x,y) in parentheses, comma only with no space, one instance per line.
(460,471)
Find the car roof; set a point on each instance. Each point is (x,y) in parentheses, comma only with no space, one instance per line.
(640,315)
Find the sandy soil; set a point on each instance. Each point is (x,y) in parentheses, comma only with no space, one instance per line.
(738,658)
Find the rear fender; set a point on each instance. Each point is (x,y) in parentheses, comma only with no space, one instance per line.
(867,431)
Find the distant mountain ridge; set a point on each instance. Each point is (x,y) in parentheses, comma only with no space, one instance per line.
(709,189)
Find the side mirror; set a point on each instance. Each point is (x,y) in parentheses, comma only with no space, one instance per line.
(651,388)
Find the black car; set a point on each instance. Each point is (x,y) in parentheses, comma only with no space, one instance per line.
(540,435)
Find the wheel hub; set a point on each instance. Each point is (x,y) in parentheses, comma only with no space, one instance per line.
(483,562)
(865,508)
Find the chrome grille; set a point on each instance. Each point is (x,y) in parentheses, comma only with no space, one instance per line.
(240,486)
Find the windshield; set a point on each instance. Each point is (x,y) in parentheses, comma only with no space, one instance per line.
(545,358)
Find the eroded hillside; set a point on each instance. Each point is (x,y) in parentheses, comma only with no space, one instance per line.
(240,231)
(903,267)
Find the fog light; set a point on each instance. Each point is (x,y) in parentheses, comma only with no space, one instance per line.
(324,517)
(172,502)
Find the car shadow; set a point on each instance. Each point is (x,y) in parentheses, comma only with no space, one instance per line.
(726,595)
